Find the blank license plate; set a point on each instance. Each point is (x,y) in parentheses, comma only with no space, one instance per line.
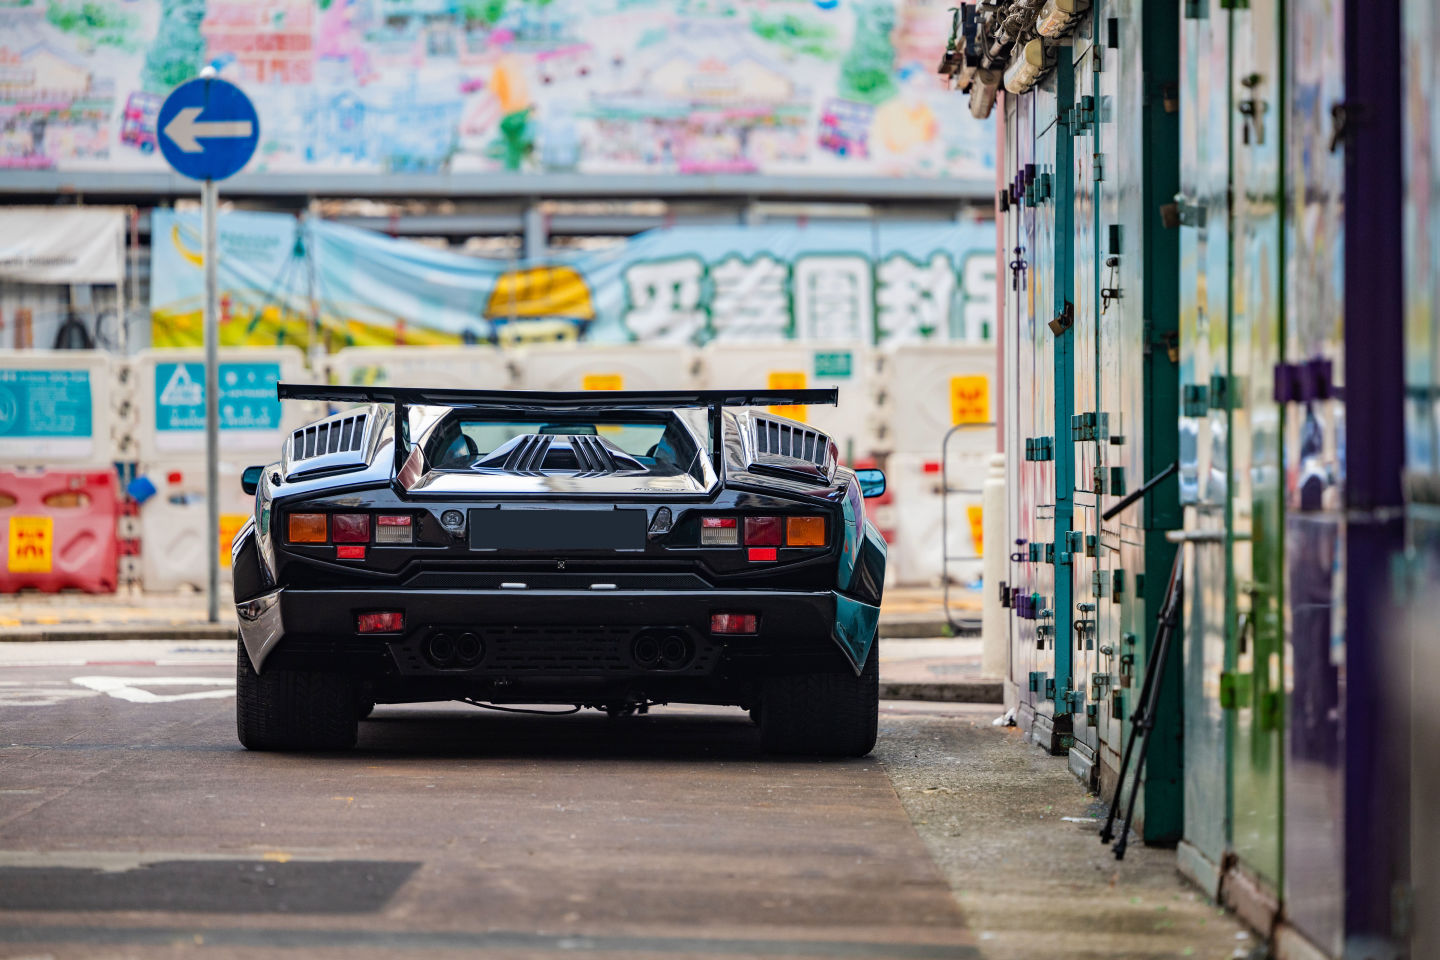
(551,530)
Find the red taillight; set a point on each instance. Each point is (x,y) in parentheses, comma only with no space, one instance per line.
(734,623)
(393,528)
(350,551)
(390,621)
(350,527)
(719,532)
(762,531)
(762,553)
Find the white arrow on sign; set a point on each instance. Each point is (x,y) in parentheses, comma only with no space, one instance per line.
(183,128)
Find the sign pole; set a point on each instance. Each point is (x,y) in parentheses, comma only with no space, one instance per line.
(208,192)
(208,130)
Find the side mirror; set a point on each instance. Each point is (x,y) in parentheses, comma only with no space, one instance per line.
(872,483)
(250,479)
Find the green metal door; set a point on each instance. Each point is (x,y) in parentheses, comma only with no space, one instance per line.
(1083,429)
(1253,687)
(1202,212)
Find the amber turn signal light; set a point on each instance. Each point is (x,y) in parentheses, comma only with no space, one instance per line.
(805,531)
(307,528)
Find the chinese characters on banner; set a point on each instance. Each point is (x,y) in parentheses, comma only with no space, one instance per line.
(880,284)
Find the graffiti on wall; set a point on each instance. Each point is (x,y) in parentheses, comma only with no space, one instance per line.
(595,86)
(286,282)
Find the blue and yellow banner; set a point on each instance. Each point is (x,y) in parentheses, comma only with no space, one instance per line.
(283,279)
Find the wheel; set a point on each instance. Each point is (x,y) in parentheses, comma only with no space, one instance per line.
(293,709)
(823,714)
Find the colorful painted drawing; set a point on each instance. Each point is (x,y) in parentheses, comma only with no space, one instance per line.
(587,86)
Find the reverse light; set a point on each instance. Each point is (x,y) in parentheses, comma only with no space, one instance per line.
(805,531)
(762,531)
(350,527)
(388,621)
(734,623)
(393,528)
(719,532)
(307,528)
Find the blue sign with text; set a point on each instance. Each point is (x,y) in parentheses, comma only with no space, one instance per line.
(45,403)
(208,129)
(247,396)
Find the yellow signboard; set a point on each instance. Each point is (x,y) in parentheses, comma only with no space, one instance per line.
(32,542)
(970,399)
(230,524)
(977,526)
(788,380)
(602,381)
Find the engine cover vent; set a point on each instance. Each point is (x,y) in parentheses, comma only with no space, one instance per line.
(580,454)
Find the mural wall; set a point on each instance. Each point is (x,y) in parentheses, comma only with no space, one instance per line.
(842,87)
(287,281)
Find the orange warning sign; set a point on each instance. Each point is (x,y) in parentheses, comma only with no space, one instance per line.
(977,527)
(31,544)
(230,524)
(602,381)
(970,399)
(787,380)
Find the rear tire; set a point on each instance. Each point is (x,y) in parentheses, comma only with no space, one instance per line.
(293,709)
(823,714)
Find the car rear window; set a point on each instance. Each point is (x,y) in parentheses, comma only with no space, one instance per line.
(662,445)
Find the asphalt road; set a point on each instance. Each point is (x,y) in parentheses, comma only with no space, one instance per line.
(132,823)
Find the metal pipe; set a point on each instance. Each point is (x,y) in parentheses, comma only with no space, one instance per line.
(208,198)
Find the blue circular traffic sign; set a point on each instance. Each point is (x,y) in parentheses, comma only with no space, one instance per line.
(208,129)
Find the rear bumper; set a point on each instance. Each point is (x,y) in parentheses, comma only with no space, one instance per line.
(551,627)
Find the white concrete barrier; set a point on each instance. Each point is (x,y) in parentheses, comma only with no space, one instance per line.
(917,551)
(172,522)
(56,408)
(927,388)
(789,364)
(169,392)
(468,368)
(606,366)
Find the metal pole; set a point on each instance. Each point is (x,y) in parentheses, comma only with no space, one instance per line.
(212,399)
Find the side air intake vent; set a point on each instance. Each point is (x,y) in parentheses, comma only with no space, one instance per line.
(792,450)
(335,443)
(780,439)
(343,435)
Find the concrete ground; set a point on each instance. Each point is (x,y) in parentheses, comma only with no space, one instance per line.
(133,825)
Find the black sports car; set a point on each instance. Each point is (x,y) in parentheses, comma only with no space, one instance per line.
(601,549)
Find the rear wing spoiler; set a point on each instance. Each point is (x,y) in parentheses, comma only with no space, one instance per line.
(540,400)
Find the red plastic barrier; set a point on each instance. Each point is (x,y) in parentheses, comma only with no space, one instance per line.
(57,531)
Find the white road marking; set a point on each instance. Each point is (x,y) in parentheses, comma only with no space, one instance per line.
(132,688)
(39,693)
